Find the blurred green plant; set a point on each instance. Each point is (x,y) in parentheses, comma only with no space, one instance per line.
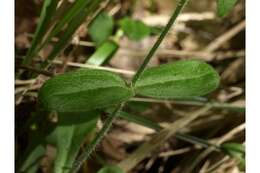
(134,29)
(110,169)
(236,151)
(101,28)
(225,6)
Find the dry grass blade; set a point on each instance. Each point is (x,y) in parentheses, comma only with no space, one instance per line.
(216,165)
(203,55)
(24,82)
(175,152)
(115,70)
(155,20)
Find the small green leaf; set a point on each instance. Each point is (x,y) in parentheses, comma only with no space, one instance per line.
(111,169)
(134,29)
(103,53)
(178,80)
(224,6)
(236,151)
(70,133)
(83,90)
(101,28)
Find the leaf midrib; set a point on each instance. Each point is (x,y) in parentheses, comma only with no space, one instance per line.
(89,90)
(173,80)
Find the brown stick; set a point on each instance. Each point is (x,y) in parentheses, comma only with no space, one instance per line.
(218,42)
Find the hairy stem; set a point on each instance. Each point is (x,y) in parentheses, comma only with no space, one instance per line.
(91,147)
(107,124)
(166,29)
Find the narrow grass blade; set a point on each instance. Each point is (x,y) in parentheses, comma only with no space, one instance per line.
(67,35)
(47,12)
(74,11)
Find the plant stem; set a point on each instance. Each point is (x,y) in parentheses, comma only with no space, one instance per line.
(107,124)
(91,147)
(166,29)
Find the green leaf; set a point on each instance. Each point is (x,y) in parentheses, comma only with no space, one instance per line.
(103,53)
(178,80)
(31,163)
(101,28)
(224,6)
(83,90)
(234,147)
(71,132)
(111,169)
(236,151)
(134,29)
